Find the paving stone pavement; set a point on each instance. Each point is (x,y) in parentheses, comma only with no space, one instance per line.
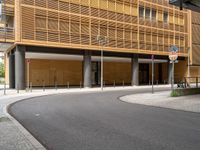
(162,99)
(11,137)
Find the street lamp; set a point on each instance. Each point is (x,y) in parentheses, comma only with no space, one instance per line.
(102,40)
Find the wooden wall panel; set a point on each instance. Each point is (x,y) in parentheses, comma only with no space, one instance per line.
(53,72)
(118,72)
(195,38)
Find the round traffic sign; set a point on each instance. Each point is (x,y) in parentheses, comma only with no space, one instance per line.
(173,56)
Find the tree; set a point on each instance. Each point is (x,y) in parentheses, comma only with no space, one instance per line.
(2,70)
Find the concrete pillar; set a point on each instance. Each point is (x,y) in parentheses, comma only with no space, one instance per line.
(170,68)
(11,71)
(135,70)
(20,67)
(87,69)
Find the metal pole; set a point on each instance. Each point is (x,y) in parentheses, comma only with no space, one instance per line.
(5,35)
(102,68)
(172,75)
(152,74)
(4,87)
(31,86)
(28,75)
(189,64)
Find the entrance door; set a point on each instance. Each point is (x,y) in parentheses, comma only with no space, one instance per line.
(143,74)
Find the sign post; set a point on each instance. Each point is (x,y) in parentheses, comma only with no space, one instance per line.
(28,73)
(173,59)
(152,58)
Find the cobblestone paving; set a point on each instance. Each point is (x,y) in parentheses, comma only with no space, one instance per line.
(9,132)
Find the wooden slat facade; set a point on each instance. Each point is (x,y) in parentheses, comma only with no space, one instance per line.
(195,38)
(76,24)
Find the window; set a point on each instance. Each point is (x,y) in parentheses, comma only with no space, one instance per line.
(165,17)
(141,12)
(153,15)
(147,13)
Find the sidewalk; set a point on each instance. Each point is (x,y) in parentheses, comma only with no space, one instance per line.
(13,136)
(163,99)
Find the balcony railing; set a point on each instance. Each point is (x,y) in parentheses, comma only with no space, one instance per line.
(6,34)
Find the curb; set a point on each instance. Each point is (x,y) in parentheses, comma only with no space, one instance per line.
(27,135)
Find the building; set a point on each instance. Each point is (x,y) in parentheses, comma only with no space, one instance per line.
(194,5)
(54,42)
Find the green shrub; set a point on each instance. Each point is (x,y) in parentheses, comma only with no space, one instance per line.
(2,70)
(174,93)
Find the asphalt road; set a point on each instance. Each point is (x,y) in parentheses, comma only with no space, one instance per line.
(100,121)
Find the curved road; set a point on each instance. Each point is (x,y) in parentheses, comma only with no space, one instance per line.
(99,121)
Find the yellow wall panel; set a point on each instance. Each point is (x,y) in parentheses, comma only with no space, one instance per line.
(119,7)
(127,9)
(134,11)
(111,5)
(103,4)
(94,3)
(84,2)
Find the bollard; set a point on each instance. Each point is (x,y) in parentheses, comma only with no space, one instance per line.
(80,84)
(43,86)
(31,86)
(56,88)
(4,88)
(68,85)
(17,88)
(123,83)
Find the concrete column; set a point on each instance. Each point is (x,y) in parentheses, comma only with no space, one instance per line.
(11,71)
(87,69)
(20,67)
(170,68)
(135,70)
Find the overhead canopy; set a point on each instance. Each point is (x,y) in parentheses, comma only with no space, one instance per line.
(193,5)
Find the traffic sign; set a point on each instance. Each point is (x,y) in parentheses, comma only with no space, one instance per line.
(173,56)
(173,53)
(173,48)
(28,60)
(176,61)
